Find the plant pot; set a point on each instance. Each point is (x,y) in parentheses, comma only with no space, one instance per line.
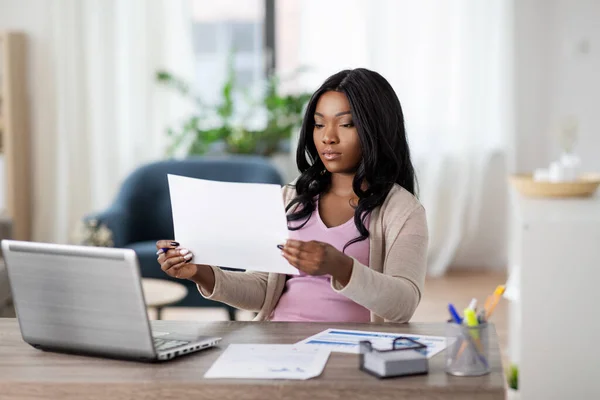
(512,394)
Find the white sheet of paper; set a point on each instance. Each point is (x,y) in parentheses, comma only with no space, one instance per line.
(234,225)
(269,361)
(346,341)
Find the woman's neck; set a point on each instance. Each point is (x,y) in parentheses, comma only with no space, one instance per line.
(341,185)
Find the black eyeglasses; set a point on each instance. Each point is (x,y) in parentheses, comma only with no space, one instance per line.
(366,345)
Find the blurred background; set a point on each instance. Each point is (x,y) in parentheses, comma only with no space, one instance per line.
(95,90)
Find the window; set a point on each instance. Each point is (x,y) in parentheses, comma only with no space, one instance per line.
(231,27)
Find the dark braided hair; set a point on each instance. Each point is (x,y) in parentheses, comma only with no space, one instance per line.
(378,117)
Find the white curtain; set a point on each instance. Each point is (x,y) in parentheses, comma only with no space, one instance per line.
(106,114)
(450,64)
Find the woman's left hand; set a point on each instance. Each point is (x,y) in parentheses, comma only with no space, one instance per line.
(318,258)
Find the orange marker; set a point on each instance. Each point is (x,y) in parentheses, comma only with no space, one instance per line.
(494,301)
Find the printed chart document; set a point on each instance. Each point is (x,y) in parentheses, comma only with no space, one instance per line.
(345,341)
(234,225)
(269,361)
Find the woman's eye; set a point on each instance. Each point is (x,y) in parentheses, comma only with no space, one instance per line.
(349,125)
(318,126)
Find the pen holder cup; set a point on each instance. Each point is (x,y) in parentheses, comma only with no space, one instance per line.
(468,350)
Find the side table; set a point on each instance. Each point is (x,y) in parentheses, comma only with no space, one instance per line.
(160,293)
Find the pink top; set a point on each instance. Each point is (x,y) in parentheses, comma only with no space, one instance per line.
(311,298)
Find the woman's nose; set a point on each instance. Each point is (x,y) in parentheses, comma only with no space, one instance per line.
(329,136)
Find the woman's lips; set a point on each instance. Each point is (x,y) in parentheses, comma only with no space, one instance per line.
(329,156)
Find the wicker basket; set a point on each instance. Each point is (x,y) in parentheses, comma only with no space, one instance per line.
(585,186)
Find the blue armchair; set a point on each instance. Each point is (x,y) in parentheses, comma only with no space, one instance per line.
(141,213)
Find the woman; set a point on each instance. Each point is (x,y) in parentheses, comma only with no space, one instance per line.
(358,234)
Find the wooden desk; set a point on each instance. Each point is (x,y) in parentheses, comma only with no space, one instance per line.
(27,373)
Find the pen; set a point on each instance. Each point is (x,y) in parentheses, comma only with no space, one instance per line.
(454,314)
(488,302)
(494,301)
(456,318)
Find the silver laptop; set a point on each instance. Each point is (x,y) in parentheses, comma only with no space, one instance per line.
(87,300)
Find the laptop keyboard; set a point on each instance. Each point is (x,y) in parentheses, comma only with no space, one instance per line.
(166,344)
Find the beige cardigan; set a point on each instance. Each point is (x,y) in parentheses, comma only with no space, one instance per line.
(390,287)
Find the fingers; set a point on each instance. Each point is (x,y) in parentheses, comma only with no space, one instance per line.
(183,271)
(173,261)
(162,256)
(313,258)
(295,244)
(311,251)
(166,244)
(308,247)
(292,259)
(174,270)
(169,263)
(173,257)
(306,256)
(291,251)
(174,253)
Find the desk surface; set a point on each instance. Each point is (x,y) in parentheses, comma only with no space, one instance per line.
(29,373)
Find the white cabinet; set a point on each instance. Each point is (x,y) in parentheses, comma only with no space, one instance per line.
(556,253)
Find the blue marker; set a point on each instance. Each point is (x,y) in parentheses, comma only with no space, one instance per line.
(455,315)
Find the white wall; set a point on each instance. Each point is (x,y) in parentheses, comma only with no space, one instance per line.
(576,89)
(532,78)
(557,72)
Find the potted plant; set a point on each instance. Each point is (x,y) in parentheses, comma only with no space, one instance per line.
(512,379)
(214,125)
(93,233)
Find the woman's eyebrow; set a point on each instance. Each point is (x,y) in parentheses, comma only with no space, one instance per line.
(318,114)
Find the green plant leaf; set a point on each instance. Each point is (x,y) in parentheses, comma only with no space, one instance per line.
(284,114)
(512,377)
(173,82)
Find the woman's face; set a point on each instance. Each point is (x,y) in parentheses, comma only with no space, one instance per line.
(335,135)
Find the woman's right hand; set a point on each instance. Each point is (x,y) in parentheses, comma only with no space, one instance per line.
(174,260)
